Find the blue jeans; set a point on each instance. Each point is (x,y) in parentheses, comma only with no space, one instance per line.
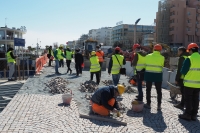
(140,92)
(56,66)
(115,78)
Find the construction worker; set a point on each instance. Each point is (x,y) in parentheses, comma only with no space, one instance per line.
(154,64)
(69,57)
(61,62)
(139,64)
(78,62)
(49,54)
(95,67)
(11,63)
(191,81)
(179,78)
(100,55)
(116,62)
(58,54)
(104,99)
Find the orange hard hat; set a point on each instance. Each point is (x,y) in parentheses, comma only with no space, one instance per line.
(192,45)
(157,47)
(118,48)
(136,46)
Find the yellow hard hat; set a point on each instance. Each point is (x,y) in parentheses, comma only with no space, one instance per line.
(93,53)
(120,89)
(61,46)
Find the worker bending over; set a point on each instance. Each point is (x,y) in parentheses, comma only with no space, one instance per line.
(104,99)
(191,71)
(94,67)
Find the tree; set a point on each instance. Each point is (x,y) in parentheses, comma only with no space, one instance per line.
(29,48)
(117,44)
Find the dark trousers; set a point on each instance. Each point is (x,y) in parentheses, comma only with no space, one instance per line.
(68,65)
(158,89)
(50,62)
(191,100)
(97,76)
(61,63)
(101,64)
(78,69)
(182,92)
(139,87)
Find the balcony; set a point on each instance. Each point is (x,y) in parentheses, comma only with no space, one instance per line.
(198,25)
(189,24)
(171,33)
(198,10)
(198,33)
(172,9)
(172,17)
(172,24)
(189,32)
(198,18)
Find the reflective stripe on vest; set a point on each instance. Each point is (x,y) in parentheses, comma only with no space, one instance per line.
(100,55)
(192,79)
(68,55)
(59,52)
(95,66)
(116,66)
(154,62)
(140,63)
(9,58)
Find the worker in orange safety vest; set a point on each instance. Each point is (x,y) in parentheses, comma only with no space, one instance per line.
(100,55)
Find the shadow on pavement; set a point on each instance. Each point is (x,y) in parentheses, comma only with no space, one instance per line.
(62,104)
(103,123)
(154,120)
(191,126)
(4,82)
(131,113)
(73,77)
(53,75)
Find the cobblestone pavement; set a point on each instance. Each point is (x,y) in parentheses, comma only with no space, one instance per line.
(46,113)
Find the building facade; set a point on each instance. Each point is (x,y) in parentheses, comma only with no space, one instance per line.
(148,39)
(7,36)
(93,34)
(181,18)
(124,34)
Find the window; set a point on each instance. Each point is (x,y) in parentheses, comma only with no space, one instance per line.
(188,21)
(188,13)
(188,29)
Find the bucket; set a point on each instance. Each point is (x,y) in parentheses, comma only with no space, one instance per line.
(66,98)
(138,107)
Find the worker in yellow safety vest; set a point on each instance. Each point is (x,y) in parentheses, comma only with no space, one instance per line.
(154,64)
(11,63)
(69,57)
(50,54)
(179,77)
(94,67)
(116,62)
(61,62)
(139,64)
(58,54)
(191,72)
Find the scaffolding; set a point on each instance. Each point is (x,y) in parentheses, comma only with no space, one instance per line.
(163,22)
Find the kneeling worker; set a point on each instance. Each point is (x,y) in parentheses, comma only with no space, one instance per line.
(104,99)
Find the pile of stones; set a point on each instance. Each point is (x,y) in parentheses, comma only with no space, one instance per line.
(107,82)
(58,86)
(88,86)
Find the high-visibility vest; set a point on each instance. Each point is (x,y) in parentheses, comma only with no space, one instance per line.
(192,79)
(59,52)
(154,62)
(140,63)
(9,58)
(100,55)
(61,57)
(51,52)
(182,76)
(95,66)
(68,55)
(116,66)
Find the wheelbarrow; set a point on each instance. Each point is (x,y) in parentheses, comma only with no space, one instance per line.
(174,90)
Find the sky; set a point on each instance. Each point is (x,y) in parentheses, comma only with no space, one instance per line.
(50,21)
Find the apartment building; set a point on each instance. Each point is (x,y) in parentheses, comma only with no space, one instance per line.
(148,39)
(7,36)
(178,22)
(93,34)
(124,34)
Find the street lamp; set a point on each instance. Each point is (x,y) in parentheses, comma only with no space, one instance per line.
(136,22)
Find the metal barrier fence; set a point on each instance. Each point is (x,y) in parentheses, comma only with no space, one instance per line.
(40,63)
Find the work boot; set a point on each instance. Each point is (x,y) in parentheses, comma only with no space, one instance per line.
(179,106)
(67,71)
(194,117)
(148,106)
(185,117)
(159,107)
